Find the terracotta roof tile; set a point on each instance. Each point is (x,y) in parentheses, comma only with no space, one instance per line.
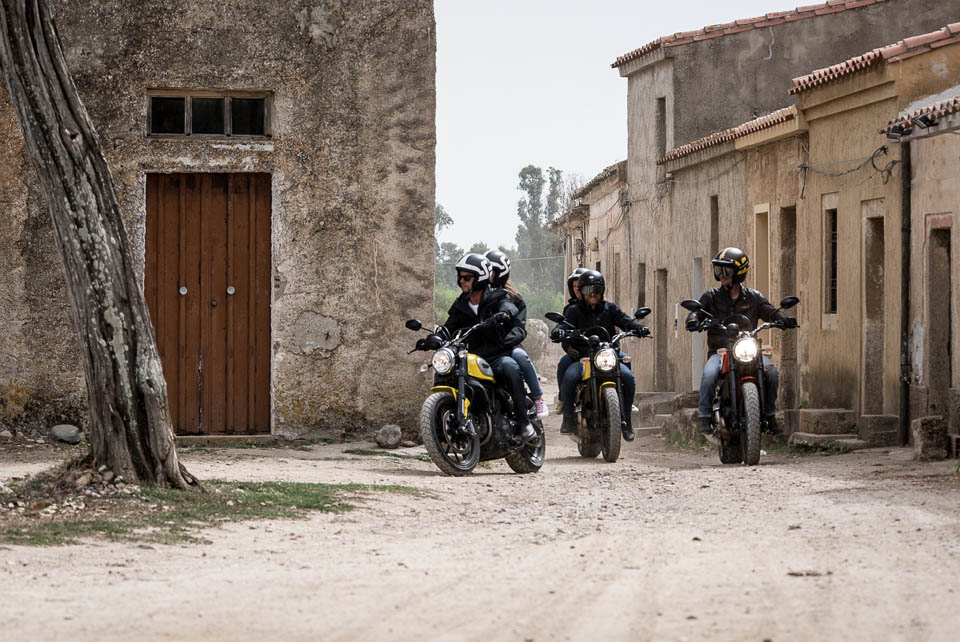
(897,51)
(738,26)
(937,110)
(599,178)
(750,127)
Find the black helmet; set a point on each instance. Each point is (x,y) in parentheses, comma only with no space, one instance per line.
(589,281)
(500,263)
(572,279)
(731,261)
(479,266)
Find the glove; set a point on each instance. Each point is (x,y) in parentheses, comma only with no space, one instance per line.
(789,322)
(432,342)
(501,317)
(557,334)
(644,331)
(693,323)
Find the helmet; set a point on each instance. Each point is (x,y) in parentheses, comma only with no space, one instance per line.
(500,263)
(732,261)
(590,280)
(479,266)
(573,278)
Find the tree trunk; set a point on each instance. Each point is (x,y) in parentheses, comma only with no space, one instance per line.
(130,426)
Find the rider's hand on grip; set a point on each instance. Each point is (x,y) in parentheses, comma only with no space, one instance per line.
(693,323)
(432,342)
(557,335)
(789,322)
(644,331)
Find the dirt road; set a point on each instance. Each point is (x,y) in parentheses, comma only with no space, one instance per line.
(666,544)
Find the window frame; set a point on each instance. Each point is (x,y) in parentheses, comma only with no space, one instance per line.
(189,94)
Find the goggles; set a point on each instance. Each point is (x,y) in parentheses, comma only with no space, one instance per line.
(590,290)
(721,271)
(465,277)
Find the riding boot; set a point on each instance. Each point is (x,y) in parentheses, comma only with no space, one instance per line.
(628,433)
(772,426)
(569,425)
(527,432)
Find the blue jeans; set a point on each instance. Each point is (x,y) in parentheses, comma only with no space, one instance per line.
(568,388)
(528,371)
(507,372)
(565,362)
(711,373)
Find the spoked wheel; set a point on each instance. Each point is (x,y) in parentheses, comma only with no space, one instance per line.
(750,436)
(453,450)
(610,426)
(529,457)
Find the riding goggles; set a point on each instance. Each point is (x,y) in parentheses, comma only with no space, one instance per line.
(589,290)
(721,271)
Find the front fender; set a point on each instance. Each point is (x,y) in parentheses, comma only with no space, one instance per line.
(452,391)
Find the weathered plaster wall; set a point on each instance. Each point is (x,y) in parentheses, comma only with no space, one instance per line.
(935,201)
(352,160)
(729,80)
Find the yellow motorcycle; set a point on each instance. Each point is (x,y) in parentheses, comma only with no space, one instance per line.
(468,416)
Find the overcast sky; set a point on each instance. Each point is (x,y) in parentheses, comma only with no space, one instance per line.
(524,82)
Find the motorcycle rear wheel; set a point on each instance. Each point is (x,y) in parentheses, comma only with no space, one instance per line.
(529,457)
(750,437)
(610,426)
(454,454)
(588,447)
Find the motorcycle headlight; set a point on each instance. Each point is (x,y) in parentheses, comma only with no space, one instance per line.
(606,359)
(443,361)
(746,350)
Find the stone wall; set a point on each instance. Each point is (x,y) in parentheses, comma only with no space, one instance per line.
(352,164)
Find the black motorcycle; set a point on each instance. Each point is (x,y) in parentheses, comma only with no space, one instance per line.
(599,419)
(468,416)
(738,420)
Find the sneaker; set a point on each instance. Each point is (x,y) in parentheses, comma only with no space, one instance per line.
(527,432)
(569,425)
(541,407)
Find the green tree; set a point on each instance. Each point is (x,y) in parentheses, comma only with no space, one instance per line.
(445,288)
(537,260)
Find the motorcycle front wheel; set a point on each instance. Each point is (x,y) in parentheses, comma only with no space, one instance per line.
(452,450)
(529,457)
(610,424)
(750,433)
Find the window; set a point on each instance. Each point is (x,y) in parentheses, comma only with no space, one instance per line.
(661,127)
(830,256)
(208,114)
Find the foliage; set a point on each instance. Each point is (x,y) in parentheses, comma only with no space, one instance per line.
(537,261)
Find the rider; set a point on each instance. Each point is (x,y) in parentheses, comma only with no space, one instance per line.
(502,330)
(592,311)
(730,267)
(500,263)
(574,290)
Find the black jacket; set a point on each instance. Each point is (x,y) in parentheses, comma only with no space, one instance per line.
(751,304)
(606,315)
(492,341)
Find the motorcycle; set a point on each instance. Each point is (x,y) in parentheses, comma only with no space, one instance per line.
(468,417)
(599,419)
(738,420)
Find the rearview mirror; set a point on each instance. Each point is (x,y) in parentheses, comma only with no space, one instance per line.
(556,317)
(788,302)
(641,313)
(413,324)
(690,304)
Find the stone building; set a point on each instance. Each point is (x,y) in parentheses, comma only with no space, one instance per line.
(275,166)
(923,128)
(694,85)
(849,237)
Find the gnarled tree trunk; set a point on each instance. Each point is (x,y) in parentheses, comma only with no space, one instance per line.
(130,424)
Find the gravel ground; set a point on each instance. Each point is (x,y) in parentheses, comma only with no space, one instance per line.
(666,544)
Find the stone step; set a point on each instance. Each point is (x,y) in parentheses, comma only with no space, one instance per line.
(879,430)
(661,419)
(815,440)
(826,421)
(646,430)
(853,444)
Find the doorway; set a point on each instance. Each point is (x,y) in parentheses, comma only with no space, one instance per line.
(788,287)
(938,292)
(660,332)
(872,357)
(207,284)
(696,338)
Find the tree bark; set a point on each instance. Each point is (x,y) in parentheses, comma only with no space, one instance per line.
(130,426)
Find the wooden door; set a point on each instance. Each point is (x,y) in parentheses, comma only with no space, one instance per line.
(207,283)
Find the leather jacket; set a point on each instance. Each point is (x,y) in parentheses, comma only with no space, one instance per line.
(495,340)
(606,315)
(750,303)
